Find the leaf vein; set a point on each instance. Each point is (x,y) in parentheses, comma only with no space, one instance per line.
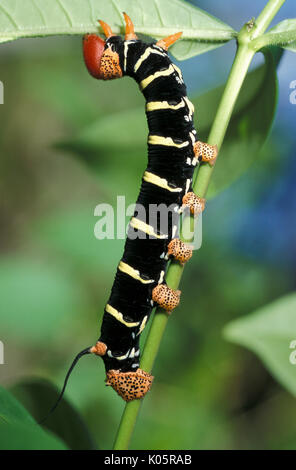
(34,3)
(158,13)
(91,11)
(65,13)
(117,10)
(8,15)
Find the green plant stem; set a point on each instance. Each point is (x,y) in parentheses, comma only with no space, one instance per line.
(266,16)
(236,77)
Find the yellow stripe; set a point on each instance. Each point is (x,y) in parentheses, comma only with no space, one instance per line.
(155,105)
(121,358)
(162,73)
(178,71)
(119,316)
(168,141)
(126,44)
(161,182)
(189,104)
(145,56)
(143,324)
(140,225)
(125,268)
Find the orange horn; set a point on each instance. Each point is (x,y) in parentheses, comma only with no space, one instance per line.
(129,28)
(167,42)
(106,28)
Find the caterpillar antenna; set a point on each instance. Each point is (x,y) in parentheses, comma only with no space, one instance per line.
(76,359)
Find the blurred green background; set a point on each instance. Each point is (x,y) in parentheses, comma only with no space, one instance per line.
(55,276)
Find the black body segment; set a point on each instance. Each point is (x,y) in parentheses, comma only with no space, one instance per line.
(167,178)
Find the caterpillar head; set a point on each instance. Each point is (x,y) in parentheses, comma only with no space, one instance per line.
(102,57)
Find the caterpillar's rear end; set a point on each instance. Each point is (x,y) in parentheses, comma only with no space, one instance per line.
(173,153)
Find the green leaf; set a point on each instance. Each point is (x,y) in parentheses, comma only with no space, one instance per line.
(270,332)
(18,429)
(29,18)
(83,249)
(282,35)
(65,422)
(131,130)
(36,299)
(20,437)
(11,411)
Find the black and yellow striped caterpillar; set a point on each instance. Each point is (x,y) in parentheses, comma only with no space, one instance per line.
(173,153)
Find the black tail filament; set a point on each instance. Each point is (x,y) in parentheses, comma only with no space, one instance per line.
(79,355)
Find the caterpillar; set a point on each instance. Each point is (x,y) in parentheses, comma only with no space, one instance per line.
(173,153)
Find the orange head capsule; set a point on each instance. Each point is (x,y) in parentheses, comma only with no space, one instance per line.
(93,50)
(101,57)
